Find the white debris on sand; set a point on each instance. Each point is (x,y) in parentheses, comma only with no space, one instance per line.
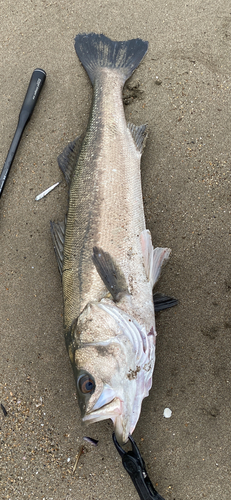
(167,413)
(44,193)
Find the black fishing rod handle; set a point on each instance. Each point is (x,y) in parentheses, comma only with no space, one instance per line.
(34,88)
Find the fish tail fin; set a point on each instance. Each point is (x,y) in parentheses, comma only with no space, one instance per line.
(98,51)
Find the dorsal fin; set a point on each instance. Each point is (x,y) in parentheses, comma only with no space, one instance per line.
(58,236)
(67,160)
(153,257)
(139,134)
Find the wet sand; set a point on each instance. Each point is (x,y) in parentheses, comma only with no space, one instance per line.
(182,90)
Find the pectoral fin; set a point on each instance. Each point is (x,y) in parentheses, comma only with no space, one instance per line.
(110,273)
(162,302)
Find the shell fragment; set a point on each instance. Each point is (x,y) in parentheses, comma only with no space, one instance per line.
(44,193)
(167,413)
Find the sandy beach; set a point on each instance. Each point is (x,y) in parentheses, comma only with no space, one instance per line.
(182,90)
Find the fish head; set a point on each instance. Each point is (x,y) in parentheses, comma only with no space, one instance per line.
(110,383)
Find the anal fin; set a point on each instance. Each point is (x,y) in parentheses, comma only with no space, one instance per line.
(139,134)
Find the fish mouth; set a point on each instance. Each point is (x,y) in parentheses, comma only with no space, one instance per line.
(109,410)
(114,411)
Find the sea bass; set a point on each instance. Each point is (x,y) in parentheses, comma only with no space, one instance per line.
(104,251)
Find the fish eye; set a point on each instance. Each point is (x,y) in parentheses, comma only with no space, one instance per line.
(86,384)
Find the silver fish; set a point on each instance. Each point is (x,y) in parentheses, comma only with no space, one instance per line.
(104,251)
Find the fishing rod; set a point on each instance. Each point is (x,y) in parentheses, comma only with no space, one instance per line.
(35,86)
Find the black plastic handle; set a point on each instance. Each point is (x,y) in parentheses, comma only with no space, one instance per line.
(135,467)
(35,86)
